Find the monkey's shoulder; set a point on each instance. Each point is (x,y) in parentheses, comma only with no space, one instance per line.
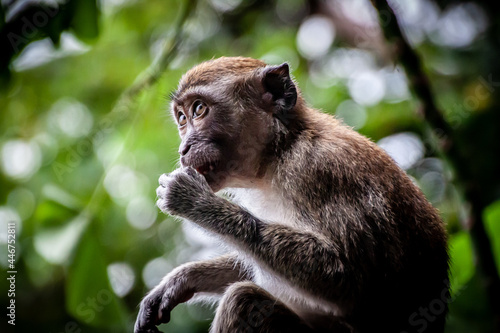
(340,158)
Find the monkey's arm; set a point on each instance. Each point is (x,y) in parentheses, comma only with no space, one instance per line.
(307,259)
(184,282)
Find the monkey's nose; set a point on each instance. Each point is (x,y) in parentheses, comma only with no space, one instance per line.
(183,150)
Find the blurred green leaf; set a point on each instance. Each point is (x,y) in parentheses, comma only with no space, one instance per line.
(89,296)
(57,243)
(462,263)
(492,224)
(85,22)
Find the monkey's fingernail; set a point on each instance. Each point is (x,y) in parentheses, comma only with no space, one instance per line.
(211,168)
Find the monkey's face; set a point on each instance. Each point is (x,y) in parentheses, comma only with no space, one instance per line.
(220,139)
(226,111)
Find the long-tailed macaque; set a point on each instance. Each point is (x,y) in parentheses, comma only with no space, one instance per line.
(325,232)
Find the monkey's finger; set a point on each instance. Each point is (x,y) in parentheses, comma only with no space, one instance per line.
(148,329)
(163,314)
(161,191)
(145,322)
(160,203)
(164,179)
(191,171)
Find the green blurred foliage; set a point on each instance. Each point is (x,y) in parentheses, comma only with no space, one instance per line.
(79,174)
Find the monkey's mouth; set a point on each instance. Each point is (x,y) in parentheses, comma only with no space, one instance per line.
(210,167)
(206,168)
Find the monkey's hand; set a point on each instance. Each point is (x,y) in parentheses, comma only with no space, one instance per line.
(208,276)
(155,308)
(186,193)
(181,191)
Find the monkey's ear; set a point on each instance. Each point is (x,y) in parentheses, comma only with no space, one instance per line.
(279,87)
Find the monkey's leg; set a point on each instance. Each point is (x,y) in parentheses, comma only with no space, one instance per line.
(247,308)
(184,282)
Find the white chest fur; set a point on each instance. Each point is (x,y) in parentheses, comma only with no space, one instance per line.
(265,205)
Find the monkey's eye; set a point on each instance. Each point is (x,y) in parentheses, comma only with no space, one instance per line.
(199,109)
(181,119)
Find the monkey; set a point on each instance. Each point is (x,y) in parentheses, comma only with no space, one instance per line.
(324,231)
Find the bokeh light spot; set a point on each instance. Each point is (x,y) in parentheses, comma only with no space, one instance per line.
(20,159)
(71,118)
(141,213)
(316,35)
(124,184)
(225,5)
(121,277)
(155,270)
(405,148)
(367,88)
(352,114)
(459,25)
(433,185)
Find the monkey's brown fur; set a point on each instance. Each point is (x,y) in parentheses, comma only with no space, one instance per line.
(328,233)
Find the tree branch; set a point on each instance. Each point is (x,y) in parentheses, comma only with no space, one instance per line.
(167,54)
